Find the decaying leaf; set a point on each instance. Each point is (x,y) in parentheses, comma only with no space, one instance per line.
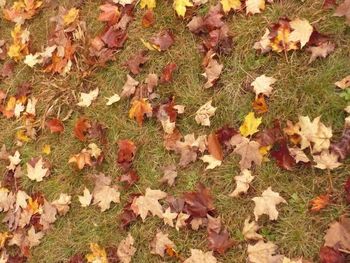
(243,182)
(126,249)
(204,113)
(338,234)
(104,193)
(344,10)
(160,243)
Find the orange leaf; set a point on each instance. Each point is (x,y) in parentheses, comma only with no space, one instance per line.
(259,104)
(320,202)
(214,147)
(55,125)
(138,109)
(81,127)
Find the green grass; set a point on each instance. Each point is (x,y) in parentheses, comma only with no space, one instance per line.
(301,89)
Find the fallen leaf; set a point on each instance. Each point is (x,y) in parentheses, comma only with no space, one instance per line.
(212,71)
(254,6)
(134,63)
(36,170)
(344,83)
(302,31)
(167,73)
(249,230)
(126,153)
(168,217)
(250,125)
(163,40)
(320,202)
(199,203)
(55,125)
(281,154)
(249,152)
(160,243)
(338,234)
(169,176)
(181,220)
(204,113)
(130,178)
(149,203)
(263,252)
(211,160)
(150,4)
(81,128)
(227,5)
(326,160)
(113,99)
(243,182)
(266,204)
(126,249)
(98,254)
(86,198)
(109,13)
(321,51)
(148,18)
(129,87)
(138,109)
(259,104)
(87,98)
(214,147)
(198,256)
(331,255)
(180,6)
(62,203)
(104,194)
(262,85)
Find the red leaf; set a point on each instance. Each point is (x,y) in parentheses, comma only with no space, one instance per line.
(7,69)
(134,63)
(77,258)
(109,13)
(114,38)
(270,136)
(128,216)
(55,125)
(126,153)
(282,155)
(148,18)
(199,203)
(225,134)
(164,39)
(342,147)
(81,128)
(220,242)
(330,255)
(167,73)
(130,178)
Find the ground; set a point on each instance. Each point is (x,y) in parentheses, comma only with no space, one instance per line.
(301,89)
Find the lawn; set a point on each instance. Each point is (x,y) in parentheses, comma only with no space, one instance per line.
(301,89)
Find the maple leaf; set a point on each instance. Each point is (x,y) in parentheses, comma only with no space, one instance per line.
(36,170)
(199,203)
(219,241)
(126,249)
(298,155)
(98,254)
(103,193)
(302,31)
(212,71)
(33,237)
(344,10)
(249,230)
(211,160)
(126,153)
(321,51)
(249,152)
(87,98)
(243,182)
(109,13)
(338,234)
(14,161)
(167,73)
(263,252)
(214,147)
(168,217)
(31,60)
(320,202)
(250,125)
(227,5)
(204,113)
(326,160)
(86,198)
(81,159)
(130,178)
(254,6)
(259,104)
(180,6)
(170,174)
(262,85)
(160,243)
(164,39)
(139,108)
(149,203)
(55,125)
(266,204)
(282,155)
(150,4)
(342,147)
(62,203)
(70,16)
(327,4)
(129,87)
(134,63)
(198,256)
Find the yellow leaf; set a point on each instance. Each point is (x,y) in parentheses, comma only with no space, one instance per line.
(3,237)
(33,206)
(250,125)
(150,46)
(149,3)
(21,136)
(46,149)
(180,6)
(138,109)
(227,5)
(71,16)
(98,254)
